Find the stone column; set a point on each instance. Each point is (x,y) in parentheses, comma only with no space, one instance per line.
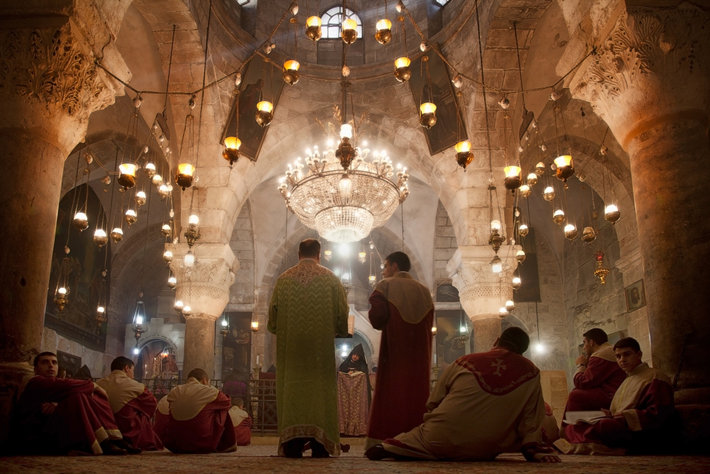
(49,85)
(205,289)
(482,292)
(649,82)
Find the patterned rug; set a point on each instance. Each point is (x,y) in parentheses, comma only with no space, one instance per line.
(261,457)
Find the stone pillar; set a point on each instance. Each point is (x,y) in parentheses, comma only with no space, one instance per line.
(49,85)
(649,82)
(482,292)
(205,289)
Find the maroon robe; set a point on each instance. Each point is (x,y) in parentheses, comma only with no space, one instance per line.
(595,385)
(199,420)
(642,415)
(403,309)
(82,419)
(133,407)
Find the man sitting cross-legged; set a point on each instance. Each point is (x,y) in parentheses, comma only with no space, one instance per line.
(199,417)
(60,416)
(640,418)
(132,404)
(483,405)
(598,375)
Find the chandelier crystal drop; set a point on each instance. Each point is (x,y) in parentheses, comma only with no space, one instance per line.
(343,203)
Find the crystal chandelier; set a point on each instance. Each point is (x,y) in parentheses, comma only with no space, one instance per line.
(342,194)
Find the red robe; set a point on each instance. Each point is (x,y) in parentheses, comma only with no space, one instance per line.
(133,407)
(162,418)
(403,309)
(199,420)
(595,385)
(81,420)
(642,415)
(242,425)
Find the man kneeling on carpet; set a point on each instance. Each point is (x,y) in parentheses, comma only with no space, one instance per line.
(483,405)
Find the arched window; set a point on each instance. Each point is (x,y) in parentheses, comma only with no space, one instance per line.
(332,21)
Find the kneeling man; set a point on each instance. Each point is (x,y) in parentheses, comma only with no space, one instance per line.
(199,417)
(483,405)
(641,412)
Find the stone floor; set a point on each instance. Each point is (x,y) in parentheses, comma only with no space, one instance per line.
(261,457)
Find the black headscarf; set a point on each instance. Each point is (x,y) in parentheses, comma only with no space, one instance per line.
(349,364)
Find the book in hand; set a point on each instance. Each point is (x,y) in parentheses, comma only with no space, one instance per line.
(590,417)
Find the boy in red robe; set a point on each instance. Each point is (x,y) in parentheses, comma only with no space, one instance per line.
(58,416)
(199,417)
(403,309)
(241,421)
(132,404)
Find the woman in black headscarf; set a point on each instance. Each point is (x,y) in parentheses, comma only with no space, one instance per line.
(355,361)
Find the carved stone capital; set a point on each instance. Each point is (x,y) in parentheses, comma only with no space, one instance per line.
(205,285)
(482,292)
(49,81)
(653,63)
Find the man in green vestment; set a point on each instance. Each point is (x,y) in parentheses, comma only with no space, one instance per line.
(308,310)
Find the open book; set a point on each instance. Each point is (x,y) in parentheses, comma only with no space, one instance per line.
(591,417)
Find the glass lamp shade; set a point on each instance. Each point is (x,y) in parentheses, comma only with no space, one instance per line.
(193,221)
(168,256)
(127,174)
(172,281)
(589,234)
(612,213)
(189,259)
(290,72)
(185,175)
(549,193)
(525,190)
(464,156)
(372,279)
(255,326)
(140,198)
(523,230)
(313,30)
(100,237)
(346,131)
(565,167)
(570,231)
(166,230)
(164,190)
(80,220)
(512,177)
(516,282)
(427,114)
(150,169)
(496,226)
(558,217)
(157,179)
(117,234)
(178,306)
(520,256)
(264,113)
(502,311)
(540,168)
(362,257)
(402,72)
(349,31)
(532,179)
(231,149)
(510,305)
(131,216)
(384,31)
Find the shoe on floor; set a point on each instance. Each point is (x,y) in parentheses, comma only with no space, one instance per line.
(377,452)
